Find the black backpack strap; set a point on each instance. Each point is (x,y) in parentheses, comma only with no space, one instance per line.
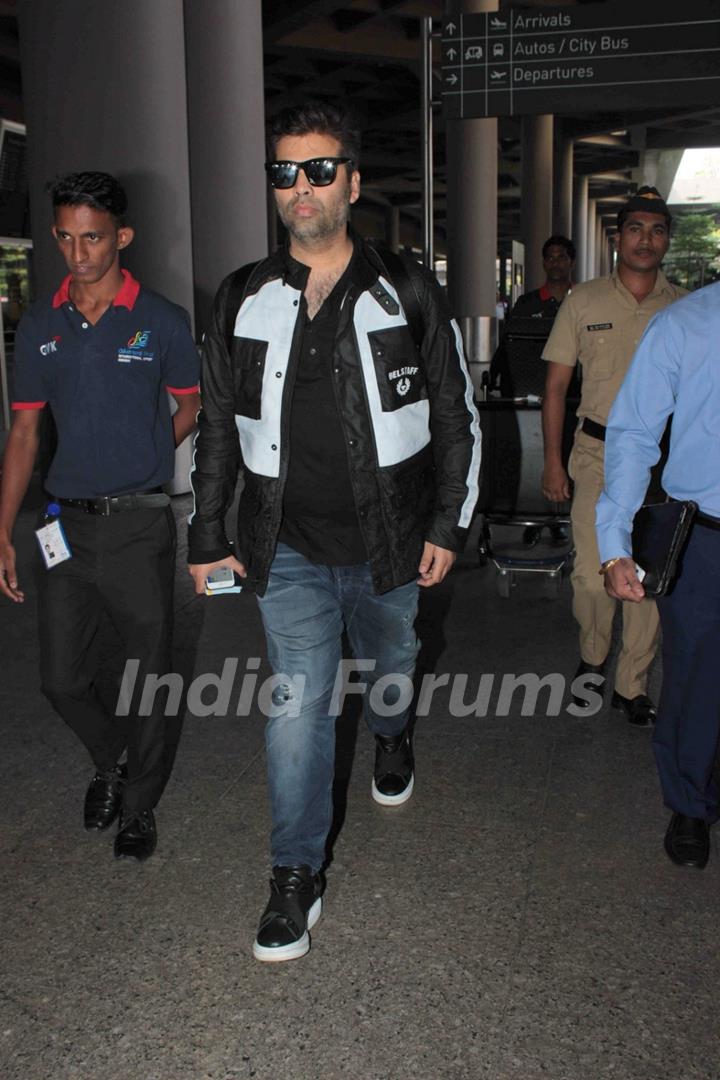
(235,296)
(404,286)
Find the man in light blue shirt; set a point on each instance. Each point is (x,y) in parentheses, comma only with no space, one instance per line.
(676,370)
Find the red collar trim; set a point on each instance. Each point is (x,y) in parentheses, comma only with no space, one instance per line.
(545,293)
(126,296)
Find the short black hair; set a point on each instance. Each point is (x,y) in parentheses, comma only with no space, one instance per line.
(560,241)
(321,118)
(99,190)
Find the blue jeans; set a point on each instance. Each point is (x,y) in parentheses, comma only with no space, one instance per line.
(304,610)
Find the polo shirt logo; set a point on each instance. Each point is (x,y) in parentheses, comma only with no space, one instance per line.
(135,348)
(139,340)
(49,346)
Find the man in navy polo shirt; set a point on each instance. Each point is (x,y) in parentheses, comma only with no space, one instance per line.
(102,353)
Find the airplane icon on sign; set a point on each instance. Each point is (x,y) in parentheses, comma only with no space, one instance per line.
(497,76)
(498,24)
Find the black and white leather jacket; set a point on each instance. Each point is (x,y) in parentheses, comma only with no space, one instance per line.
(412,431)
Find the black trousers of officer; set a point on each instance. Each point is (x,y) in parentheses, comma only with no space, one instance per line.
(688,724)
(122,565)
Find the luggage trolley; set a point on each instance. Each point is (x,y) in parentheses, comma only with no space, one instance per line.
(511,506)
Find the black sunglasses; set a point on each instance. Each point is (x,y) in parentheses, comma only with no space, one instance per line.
(320,171)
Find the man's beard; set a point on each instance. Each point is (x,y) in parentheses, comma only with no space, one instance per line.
(327,222)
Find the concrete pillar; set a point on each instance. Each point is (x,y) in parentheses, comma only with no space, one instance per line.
(580,216)
(563,188)
(104,88)
(472,156)
(591,233)
(226,128)
(599,246)
(536,194)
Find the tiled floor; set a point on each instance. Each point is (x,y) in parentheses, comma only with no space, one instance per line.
(517,919)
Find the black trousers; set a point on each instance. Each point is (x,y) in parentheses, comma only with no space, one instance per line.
(123,566)
(687,730)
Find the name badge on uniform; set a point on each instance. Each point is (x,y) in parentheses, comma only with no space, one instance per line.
(54,547)
(600,326)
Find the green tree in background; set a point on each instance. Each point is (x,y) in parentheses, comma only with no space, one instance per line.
(694,256)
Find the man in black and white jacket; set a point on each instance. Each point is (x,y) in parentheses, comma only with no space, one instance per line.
(360,453)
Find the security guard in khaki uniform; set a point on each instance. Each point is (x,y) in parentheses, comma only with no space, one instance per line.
(600,324)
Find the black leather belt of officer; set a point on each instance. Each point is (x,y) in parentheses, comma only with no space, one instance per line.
(118,504)
(591,427)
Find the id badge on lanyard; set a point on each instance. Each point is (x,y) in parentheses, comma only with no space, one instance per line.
(54,547)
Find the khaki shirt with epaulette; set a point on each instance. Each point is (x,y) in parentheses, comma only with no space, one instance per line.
(599,325)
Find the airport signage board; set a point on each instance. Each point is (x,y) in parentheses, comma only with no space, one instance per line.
(586,58)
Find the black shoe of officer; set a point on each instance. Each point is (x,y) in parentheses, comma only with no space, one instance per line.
(295,905)
(639,710)
(137,836)
(103,798)
(393,778)
(589,669)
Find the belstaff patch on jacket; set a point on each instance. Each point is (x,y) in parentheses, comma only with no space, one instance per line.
(412,431)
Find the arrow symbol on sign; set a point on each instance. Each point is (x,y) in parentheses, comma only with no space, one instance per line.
(450,27)
(452,79)
(452,53)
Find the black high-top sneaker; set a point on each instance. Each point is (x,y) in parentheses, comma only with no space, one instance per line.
(393,779)
(295,905)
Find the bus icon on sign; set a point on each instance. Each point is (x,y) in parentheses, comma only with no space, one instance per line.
(474,53)
(498,49)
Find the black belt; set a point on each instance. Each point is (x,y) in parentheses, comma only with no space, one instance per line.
(707,521)
(117,504)
(591,427)
(700,518)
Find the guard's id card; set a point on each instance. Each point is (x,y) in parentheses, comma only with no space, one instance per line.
(54,547)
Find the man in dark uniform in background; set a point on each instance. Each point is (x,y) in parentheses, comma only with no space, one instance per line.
(544,303)
(102,353)
(558,262)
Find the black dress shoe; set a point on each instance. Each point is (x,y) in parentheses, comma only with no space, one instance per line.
(295,905)
(103,798)
(584,668)
(687,841)
(639,710)
(137,837)
(393,777)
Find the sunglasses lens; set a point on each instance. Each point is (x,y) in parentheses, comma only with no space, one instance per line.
(283,174)
(321,171)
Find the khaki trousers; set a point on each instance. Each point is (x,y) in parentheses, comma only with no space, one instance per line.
(592,607)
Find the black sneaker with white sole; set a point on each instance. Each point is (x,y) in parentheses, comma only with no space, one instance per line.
(393,778)
(295,905)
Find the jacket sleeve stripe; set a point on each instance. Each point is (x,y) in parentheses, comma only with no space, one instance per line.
(473,473)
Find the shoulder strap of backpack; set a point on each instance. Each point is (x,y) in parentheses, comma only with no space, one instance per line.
(235,296)
(405,288)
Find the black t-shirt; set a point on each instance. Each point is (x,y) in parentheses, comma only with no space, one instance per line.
(319,516)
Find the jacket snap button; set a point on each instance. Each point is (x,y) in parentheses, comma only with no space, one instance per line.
(274,446)
(278,374)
